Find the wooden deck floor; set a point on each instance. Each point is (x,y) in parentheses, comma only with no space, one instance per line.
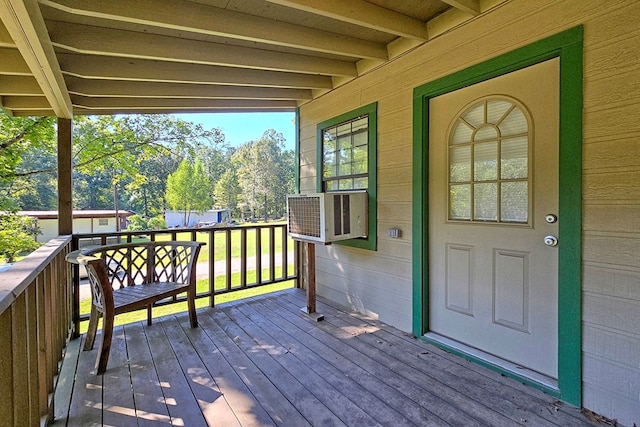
(261,362)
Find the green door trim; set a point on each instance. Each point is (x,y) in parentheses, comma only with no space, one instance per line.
(568,47)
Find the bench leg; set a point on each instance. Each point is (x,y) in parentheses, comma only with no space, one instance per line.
(191,302)
(91,330)
(149,315)
(105,343)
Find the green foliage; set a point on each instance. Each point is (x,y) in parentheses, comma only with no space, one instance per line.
(265,174)
(137,223)
(157,223)
(188,189)
(21,139)
(129,159)
(17,234)
(226,192)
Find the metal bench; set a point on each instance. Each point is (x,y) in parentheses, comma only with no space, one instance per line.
(131,276)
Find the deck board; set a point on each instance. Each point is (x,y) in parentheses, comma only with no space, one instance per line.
(262,362)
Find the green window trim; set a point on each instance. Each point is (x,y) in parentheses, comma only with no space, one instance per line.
(371,110)
(568,46)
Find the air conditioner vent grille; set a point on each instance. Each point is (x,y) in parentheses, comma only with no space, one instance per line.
(304,216)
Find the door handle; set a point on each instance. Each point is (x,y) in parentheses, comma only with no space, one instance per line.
(550,240)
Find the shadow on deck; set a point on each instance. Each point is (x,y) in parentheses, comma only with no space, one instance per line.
(261,362)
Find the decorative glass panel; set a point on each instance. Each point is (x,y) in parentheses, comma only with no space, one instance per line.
(485,161)
(514,124)
(460,164)
(485,202)
(496,109)
(514,202)
(515,158)
(486,133)
(461,133)
(460,202)
(489,163)
(475,115)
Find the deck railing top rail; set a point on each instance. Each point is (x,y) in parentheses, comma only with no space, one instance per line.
(15,280)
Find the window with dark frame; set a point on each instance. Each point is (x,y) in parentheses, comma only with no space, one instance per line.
(347,161)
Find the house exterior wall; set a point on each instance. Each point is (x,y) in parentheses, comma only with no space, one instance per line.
(379,283)
(49,227)
(176,218)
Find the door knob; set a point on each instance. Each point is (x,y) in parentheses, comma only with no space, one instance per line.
(551,240)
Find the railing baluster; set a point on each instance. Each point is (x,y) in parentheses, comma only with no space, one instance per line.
(285,252)
(19,357)
(272,254)
(212,269)
(32,330)
(228,258)
(258,256)
(243,257)
(6,367)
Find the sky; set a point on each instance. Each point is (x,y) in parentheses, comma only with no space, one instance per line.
(239,128)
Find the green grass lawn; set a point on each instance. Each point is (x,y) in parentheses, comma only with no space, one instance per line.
(202,286)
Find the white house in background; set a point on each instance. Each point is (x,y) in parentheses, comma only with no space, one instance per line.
(176,218)
(84,221)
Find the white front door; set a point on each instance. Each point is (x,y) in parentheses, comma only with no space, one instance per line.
(493,206)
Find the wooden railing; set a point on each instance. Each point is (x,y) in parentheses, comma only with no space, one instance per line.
(273,260)
(35,322)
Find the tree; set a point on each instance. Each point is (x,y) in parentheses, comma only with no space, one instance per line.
(21,137)
(265,174)
(137,223)
(157,223)
(188,189)
(17,234)
(226,192)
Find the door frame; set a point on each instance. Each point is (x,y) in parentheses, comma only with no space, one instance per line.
(568,47)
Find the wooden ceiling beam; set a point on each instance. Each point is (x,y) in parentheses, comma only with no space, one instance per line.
(111,68)
(198,18)
(12,63)
(5,37)
(19,85)
(110,42)
(24,22)
(362,13)
(128,89)
(124,104)
(26,103)
(471,7)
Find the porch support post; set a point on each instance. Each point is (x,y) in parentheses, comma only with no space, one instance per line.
(65,212)
(310,271)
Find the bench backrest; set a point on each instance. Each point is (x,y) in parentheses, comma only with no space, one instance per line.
(129,264)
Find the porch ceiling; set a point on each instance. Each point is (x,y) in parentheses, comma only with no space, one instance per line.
(75,57)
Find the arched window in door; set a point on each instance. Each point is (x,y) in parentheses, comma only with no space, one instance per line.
(490,162)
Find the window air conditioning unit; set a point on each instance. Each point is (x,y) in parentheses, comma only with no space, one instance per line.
(327,217)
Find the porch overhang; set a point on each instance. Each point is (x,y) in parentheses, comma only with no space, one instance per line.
(73,57)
